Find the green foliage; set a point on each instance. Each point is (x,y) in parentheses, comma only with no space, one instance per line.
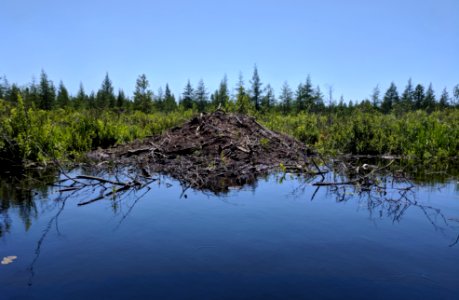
(31,135)
(414,135)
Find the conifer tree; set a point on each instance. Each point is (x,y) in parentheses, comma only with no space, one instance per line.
(429,99)
(243,104)
(105,96)
(201,96)
(305,96)
(169,103)
(375,101)
(456,95)
(4,87)
(188,96)
(81,98)
(418,96)
(31,94)
(268,100)
(47,92)
(256,91)
(407,99)
(63,99)
(286,98)
(221,96)
(143,97)
(390,97)
(318,99)
(13,94)
(121,99)
(444,99)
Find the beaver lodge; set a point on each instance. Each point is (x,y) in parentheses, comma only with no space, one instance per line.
(211,152)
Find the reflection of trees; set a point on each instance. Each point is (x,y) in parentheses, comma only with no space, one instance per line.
(384,195)
(18,191)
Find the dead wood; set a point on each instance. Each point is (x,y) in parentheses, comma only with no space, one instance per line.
(212,152)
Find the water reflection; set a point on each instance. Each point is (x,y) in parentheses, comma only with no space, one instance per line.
(19,191)
(164,226)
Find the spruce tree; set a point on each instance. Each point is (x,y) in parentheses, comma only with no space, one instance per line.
(286,98)
(243,104)
(4,87)
(13,94)
(305,96)
(256,91)
(121,99)
(390,97)
(47,92)
(375,101)
(221,96)
(169,103)
(188,96)
(407,99)
(429,99)
(31,94)
(268,100)
(201,96)
(105,96)
(456,95)
(81,99)
(418,96)
(143,97)
(318,99)
(63,99)
(444,99)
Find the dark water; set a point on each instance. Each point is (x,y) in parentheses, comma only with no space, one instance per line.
(272,241)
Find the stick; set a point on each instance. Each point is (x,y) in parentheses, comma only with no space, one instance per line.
(101,180)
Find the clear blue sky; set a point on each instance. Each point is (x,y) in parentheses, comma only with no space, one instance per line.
(350,45)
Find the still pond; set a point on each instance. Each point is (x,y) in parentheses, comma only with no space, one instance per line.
(276,239)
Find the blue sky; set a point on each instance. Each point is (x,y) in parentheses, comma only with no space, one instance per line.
(349,45)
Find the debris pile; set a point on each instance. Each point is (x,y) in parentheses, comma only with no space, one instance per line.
(211,152)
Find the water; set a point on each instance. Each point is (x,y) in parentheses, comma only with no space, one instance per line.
(270,241)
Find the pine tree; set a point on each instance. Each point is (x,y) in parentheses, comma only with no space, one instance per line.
(63,99)
(31,94)
(92,100)
(256,91)
(456,95)
(375,101)
(143,97)
(105,96)
(201,96)
(407,99)
(243,104)
(121,99)
(188,96)
(221,96)
(13,94)
(286,98)
(418,96)
(47,92)
(4,87)
(444,99)
(169,103)
(268,100)
(390,98)
(318,99)
(429,100)
(81,99)
(158,101)
(305,96)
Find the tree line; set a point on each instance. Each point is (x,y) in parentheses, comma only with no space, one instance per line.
(257,97)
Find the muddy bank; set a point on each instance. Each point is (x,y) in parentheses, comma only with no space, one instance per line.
(211,152)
